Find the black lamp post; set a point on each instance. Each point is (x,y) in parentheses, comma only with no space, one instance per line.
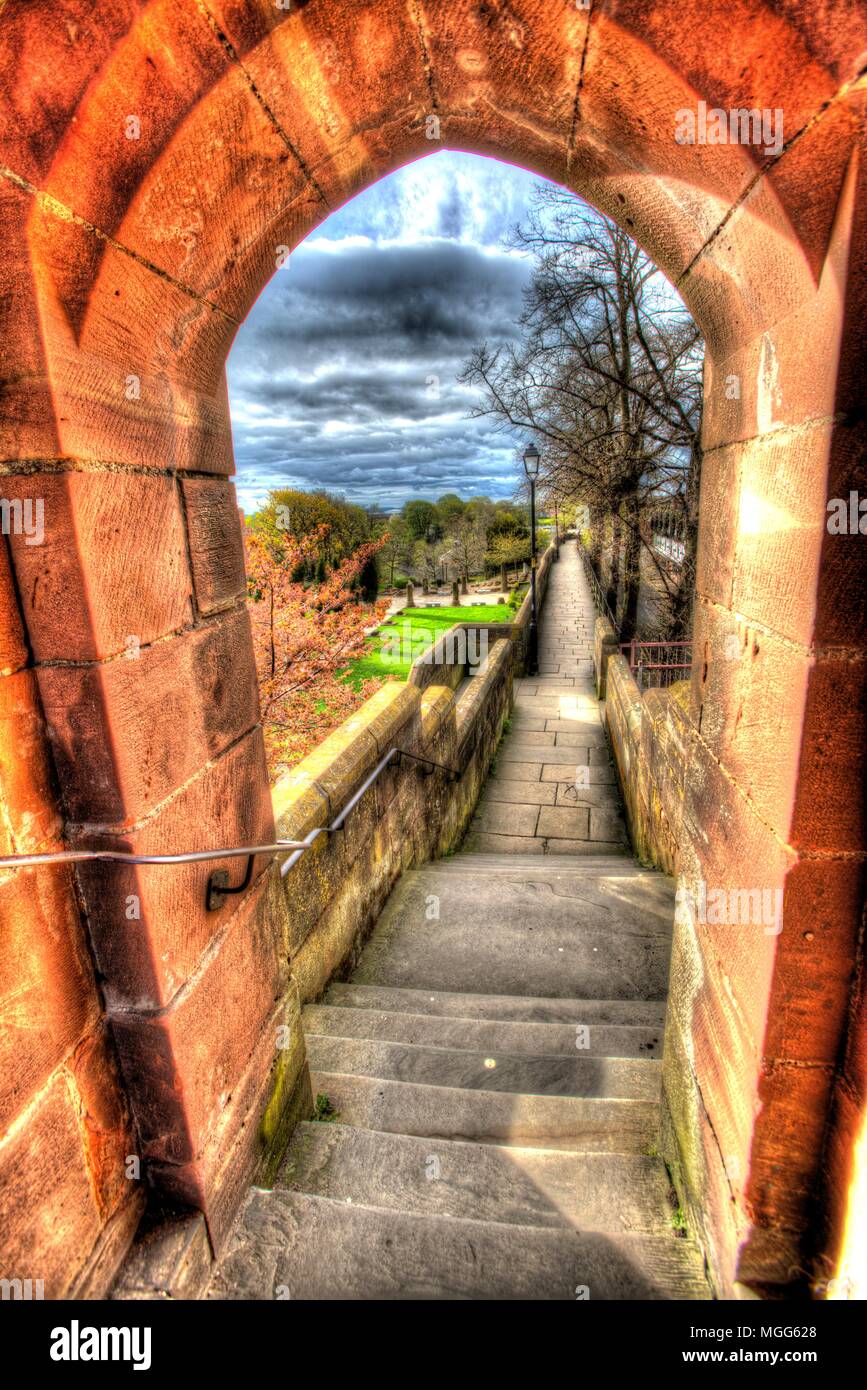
(531,468)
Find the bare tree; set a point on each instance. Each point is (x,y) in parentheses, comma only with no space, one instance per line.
(607,377)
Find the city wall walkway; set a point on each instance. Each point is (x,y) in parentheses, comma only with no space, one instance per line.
(489,1079)
(553,788)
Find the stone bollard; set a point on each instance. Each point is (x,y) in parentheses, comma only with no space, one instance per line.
(410,596)
(456,595)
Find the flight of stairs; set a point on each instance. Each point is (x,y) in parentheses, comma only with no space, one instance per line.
(493,1076)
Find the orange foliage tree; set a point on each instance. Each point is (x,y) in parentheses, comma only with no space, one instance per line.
(304,636)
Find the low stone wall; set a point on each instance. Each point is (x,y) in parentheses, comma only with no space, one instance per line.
(317,918)
(649,737)
(605,645)
(710,1058)
(412,813)
(443,712)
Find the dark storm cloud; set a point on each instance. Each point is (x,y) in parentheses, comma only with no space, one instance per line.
(345,374)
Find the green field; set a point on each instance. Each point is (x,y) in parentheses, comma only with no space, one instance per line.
(382,661)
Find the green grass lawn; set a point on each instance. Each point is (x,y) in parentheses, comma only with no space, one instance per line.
(381,660)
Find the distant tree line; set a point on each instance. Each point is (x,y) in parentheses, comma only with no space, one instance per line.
(453,539)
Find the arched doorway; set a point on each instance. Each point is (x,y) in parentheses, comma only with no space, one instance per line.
(158,159)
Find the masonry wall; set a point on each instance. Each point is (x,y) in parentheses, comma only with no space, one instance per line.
(715,1055)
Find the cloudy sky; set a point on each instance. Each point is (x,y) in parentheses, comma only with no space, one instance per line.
(344,374)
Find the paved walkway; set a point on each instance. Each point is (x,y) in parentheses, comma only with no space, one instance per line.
(553,788)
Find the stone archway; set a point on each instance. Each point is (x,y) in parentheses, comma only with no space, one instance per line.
(157,157)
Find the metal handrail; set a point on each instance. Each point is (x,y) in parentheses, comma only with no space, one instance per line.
(337,824)
(596,588)
(218,888)
(634,652)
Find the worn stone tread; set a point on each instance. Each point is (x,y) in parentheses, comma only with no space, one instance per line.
(514,1008)
(308,1247)
(577,1038)
(591,1123)
(447,1177)
(621,1078)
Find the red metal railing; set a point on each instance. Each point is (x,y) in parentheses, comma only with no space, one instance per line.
(658,663)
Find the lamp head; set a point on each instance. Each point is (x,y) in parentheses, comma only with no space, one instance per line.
(531,462)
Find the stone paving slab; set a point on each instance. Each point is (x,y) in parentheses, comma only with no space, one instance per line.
(522,793)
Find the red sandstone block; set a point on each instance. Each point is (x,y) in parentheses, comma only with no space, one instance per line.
(182,1063)
(783,543)
(66,47)
(106,1124)
(27,426)
(179,219)
(254,1128)
(216,542)
(141,379)
(149,925)
(771,381)
(329,84)
(830,813)
(13,648)
(787,1147)
(127,733)
(112,568)
(48,1211)
(808,1012)
(47,993)
(165,65)
(29,820)
(747,699)
(841,613)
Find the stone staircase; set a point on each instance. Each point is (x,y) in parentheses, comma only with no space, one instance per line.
(491,1075)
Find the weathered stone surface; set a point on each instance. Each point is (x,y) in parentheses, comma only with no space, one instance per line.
(525,1187)
(137,587)
(119,705)
(402,1256)
(484,1035)
(47,989)
(182,1062)
(216,545)
(143,955)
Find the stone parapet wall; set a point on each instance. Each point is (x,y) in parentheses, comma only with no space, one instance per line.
(649,738)
(605,645)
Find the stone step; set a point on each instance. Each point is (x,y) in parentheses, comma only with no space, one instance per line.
(545,931)
(619,867)
(619,1078)
(291,1245)
(445,1177)
(592,1124)
(509,1008)
(491,1037)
